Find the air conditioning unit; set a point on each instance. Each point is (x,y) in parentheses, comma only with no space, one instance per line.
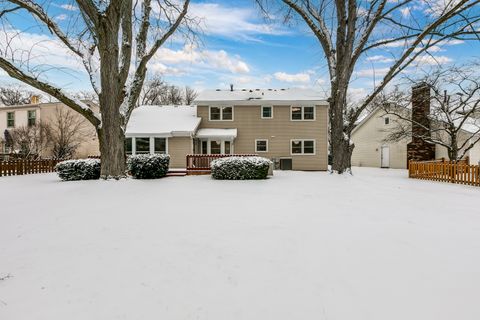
(286,164)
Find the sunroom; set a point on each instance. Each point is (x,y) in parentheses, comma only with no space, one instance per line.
(161,129)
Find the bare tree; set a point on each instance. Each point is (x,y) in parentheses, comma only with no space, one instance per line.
(29,142)
(347,31)
(7,140)
(174,96)
(14,95)
(67,131)
(190,95)
(153,90)
(86,96)
(114,40)
(454,108)
(158,92)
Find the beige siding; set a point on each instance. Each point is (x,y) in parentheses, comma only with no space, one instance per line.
(474,154)
(21,117)
(178,148)
(46,113)
(278,131)
(368,140)
(89,145)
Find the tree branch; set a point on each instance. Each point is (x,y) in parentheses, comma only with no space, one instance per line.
(75,104)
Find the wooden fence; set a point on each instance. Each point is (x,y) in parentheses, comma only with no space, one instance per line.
(446,171)
(21,167)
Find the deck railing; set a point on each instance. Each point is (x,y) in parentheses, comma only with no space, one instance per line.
(202,162)
(21,167)
(446,171)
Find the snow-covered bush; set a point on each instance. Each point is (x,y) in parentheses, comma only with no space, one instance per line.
(240,168)
(148,166)
(83,169)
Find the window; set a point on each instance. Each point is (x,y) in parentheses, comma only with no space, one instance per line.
(308,113)
(227,147)
(267,112)
(10,119)
(296,147)
(227,113)
(160,145)
(221,113)
(306,147)
(215,147)
(296,113)
(215,113)
(142,145)
(305,113)
(32,118)
(387,120)
(261,145)
(128,146)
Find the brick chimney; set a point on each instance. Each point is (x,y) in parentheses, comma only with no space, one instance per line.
(418,149)
(35,99)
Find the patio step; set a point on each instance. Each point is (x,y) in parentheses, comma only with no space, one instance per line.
(177,173)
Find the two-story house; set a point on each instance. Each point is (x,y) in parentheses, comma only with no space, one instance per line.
(289,126)
(34,113)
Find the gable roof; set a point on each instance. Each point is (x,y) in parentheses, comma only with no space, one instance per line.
(163,121)
(365,119)
(262,96)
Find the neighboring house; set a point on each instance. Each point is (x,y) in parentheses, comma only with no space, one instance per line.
(372,149)
(17,116)
(288,126)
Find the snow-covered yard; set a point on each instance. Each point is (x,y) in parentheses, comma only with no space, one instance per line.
(297,246)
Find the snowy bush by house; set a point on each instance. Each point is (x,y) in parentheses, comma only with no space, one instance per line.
(148,166)
(240,168)
(83,169)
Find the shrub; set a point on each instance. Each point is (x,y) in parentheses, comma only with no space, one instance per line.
(146,166)
(83,169)
(240,168)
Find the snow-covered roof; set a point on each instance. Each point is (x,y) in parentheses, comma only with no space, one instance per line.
(217,133)
(163,121)
(256,96)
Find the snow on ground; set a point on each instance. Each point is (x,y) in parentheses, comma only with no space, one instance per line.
(297,246)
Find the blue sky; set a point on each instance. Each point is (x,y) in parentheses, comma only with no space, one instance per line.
(238,46)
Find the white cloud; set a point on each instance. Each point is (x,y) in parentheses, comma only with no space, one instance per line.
(302,77)
(433,60)
(40,50)
(372,72)
(69,7)
(190,54)
(438,7)
(61,17)
(165,70)
(380,59)
(422,60)
(356,94)
(233,22)
(260,81)
(405,12)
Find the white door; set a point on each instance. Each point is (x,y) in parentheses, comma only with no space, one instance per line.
(385,157)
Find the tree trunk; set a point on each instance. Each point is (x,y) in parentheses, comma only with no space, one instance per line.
(110,133)
(340,140)
(112,149)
